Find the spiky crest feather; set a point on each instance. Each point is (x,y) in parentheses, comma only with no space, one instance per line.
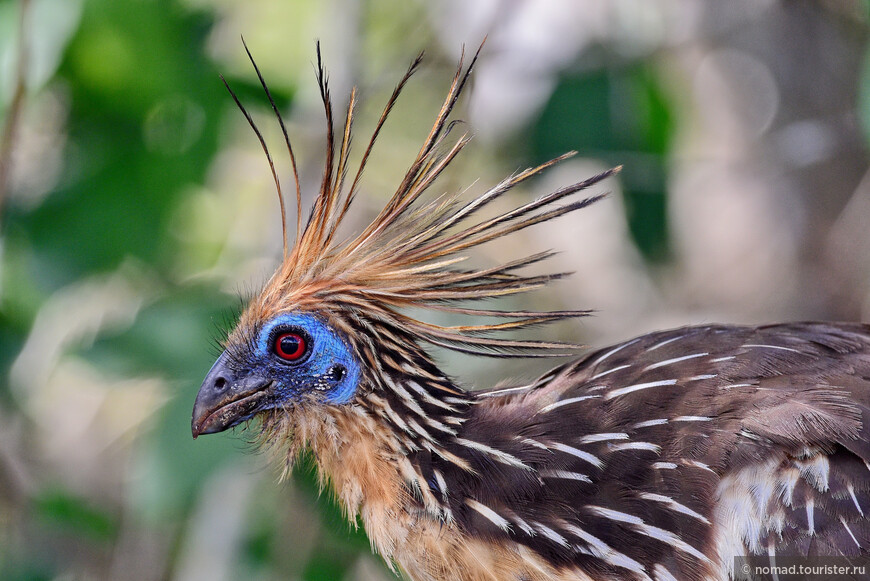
(407,256)
(664,456)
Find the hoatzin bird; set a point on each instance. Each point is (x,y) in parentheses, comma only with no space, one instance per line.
(660,458)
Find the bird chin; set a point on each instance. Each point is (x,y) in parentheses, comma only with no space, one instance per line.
(232,413)
(277,424)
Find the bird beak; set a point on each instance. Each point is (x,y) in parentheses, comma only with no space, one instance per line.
(225,399)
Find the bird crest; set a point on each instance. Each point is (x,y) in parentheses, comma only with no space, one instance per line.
(632,462)
(411,252)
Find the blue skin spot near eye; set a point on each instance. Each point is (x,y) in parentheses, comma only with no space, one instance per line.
(329,365)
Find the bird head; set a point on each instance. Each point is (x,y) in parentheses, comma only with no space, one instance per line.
(292,358)
(331,325)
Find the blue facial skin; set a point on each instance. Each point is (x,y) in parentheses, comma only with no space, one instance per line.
(328,365)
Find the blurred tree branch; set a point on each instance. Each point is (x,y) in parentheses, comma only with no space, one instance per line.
(16,105)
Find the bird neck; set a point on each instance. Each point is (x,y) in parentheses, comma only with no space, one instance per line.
(416,405)
(406,415)
(373,452)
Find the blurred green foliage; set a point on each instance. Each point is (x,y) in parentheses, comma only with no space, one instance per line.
(144,121)
(128,93)
(620,115)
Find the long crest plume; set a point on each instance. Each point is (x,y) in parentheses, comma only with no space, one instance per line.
(408,255)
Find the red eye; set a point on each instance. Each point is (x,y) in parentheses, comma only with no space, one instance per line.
(290,346)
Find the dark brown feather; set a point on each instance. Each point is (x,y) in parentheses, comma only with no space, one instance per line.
(719,401)
(662,457)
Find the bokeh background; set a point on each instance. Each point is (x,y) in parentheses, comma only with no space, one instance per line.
(137,211)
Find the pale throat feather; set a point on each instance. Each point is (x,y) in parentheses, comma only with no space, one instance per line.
(361,463)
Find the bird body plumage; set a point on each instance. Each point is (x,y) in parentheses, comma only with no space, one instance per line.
(663,457)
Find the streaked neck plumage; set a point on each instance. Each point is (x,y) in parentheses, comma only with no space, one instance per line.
(420,461)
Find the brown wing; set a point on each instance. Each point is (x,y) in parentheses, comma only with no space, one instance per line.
(672,453)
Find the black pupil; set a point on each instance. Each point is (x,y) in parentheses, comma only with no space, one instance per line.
(290,345)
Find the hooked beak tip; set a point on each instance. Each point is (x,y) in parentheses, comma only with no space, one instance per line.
(194,430)
(225,400)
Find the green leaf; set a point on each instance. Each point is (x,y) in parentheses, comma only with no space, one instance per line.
(622,116)
(58,508)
